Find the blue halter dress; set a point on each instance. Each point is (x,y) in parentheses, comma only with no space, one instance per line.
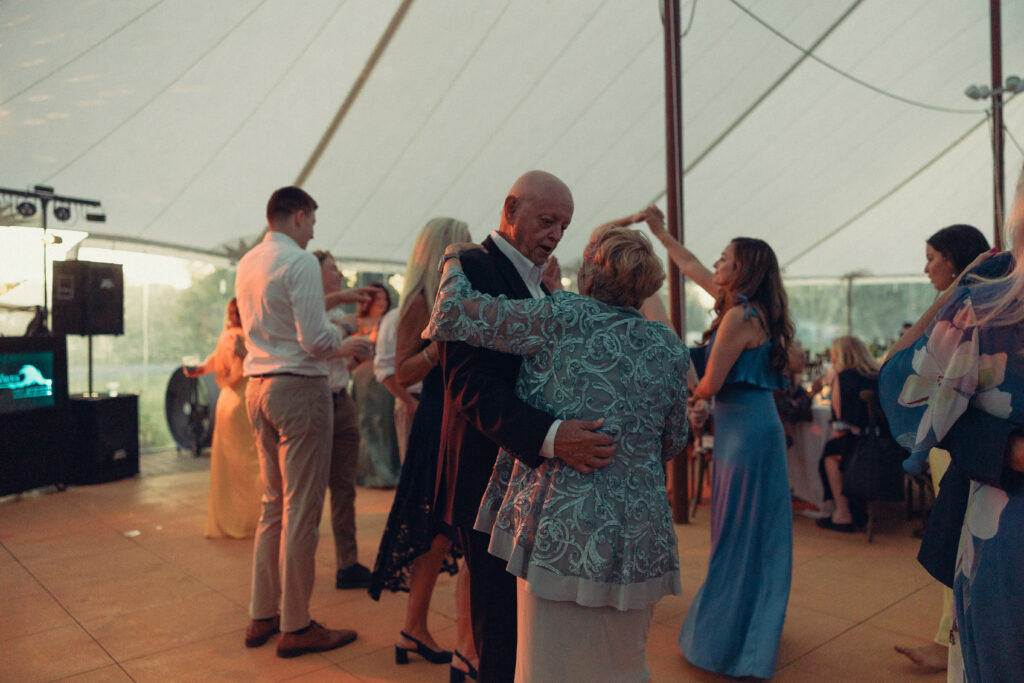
(735,622)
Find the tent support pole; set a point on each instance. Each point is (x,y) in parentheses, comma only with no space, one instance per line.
(995,28)
(353,93)
(674,220)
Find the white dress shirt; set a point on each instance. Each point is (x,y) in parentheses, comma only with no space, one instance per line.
(531,275)
(387,343)
(281,303)
(337,368)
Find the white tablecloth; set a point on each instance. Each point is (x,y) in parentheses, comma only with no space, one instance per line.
(808,440)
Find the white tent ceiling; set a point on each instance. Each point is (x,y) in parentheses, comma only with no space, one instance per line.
(183,115)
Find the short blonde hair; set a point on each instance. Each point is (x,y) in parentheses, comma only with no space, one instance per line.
(619,267)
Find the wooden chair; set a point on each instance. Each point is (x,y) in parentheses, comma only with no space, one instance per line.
(700,465)
(875,414)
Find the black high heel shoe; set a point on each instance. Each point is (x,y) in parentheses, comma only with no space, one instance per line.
(432,656)
(458,675)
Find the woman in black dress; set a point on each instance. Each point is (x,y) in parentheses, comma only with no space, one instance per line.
(854,371)
(413,550)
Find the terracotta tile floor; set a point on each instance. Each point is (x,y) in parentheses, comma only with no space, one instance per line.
(115,582)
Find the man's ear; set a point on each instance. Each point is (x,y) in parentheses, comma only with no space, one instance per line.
(509,209)
(297,218)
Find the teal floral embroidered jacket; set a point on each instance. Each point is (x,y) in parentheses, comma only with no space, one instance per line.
(599,539)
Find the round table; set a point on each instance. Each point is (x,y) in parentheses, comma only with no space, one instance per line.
(808,441)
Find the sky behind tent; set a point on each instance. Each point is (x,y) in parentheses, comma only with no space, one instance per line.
(182,116)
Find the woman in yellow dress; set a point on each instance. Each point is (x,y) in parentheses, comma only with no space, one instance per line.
(235,485)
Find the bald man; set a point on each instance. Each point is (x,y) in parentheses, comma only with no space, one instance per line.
(482,413)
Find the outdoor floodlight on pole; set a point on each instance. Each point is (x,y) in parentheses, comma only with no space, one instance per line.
(980,92)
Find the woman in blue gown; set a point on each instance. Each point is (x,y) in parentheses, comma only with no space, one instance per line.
(735,622)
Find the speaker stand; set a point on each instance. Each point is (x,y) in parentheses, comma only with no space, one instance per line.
(90,394)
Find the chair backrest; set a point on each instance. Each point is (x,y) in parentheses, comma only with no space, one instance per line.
(876,417)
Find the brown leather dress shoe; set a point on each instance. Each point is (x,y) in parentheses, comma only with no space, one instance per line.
(259,631)
(314,638)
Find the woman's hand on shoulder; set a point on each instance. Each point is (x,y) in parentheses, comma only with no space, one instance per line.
(457,249)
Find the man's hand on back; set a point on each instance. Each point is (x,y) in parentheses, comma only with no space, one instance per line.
(579,445)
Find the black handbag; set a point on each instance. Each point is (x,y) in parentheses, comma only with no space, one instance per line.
(875,468)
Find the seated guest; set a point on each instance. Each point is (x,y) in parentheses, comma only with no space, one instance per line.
(793,402)
(854,371)
(593,550)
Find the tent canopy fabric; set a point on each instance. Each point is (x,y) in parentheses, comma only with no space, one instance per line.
(182,116)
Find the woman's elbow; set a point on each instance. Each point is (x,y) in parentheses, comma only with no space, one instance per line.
(405,378)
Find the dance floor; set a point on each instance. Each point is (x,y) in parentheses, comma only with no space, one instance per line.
(115,582)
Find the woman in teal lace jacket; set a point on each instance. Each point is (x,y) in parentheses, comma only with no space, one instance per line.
(594,551)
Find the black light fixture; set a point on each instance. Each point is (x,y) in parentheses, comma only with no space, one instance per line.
(27,209)
(62,213)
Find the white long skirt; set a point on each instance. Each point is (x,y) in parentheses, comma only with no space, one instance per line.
(561,642)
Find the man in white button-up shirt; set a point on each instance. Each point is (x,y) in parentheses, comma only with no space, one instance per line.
(288,337)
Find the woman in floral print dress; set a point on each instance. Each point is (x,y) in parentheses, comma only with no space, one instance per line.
(968,358)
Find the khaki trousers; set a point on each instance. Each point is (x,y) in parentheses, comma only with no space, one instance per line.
(291,418)
(342,482)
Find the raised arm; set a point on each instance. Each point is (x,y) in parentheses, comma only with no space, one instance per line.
(316,335)
(357,295)
(478,385)
(520,327)
(690,266)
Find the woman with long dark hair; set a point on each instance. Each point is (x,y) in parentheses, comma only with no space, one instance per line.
(947,253)
(735,622)
(960,369)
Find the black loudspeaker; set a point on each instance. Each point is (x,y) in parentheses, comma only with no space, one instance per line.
(88,298)
(104,438)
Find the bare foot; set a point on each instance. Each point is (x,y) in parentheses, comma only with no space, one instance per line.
(931,657)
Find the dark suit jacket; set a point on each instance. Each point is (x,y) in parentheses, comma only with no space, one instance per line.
(481,410)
